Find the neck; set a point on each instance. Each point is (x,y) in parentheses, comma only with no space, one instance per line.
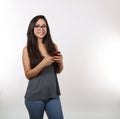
(40,42)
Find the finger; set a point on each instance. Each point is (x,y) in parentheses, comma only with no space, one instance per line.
(57,57)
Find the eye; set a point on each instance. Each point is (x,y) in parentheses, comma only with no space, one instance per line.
(37,26)
(43,26)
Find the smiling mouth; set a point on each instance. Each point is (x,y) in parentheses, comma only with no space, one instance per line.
(41,33)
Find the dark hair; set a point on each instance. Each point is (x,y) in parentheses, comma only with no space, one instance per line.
(32,44)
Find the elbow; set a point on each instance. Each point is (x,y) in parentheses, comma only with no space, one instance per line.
(28,76)
(60,70)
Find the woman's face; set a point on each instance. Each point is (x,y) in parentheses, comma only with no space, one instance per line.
(40,29)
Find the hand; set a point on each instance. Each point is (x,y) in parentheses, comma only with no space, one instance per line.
(47,60)
(58,58)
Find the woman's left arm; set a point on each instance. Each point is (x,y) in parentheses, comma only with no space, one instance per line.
(59,60)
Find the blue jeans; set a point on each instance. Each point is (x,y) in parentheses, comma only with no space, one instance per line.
(52,107)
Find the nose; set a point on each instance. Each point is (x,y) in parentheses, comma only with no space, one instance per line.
(40,28)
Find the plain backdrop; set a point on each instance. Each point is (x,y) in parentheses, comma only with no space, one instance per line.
(87,33)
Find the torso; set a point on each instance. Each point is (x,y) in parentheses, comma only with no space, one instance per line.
(43,50)
(43,86)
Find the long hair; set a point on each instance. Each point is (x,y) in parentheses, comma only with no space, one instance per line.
(32,43)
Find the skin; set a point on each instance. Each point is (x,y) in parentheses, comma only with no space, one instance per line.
(47,60)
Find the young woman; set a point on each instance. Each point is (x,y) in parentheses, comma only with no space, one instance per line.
(42,62)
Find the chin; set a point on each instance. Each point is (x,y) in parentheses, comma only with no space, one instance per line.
(41,37)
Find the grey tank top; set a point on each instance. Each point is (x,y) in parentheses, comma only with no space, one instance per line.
(43,86)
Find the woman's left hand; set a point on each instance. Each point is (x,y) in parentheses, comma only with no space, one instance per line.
(58,58)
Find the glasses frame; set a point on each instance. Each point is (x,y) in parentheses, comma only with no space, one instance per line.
(43,27)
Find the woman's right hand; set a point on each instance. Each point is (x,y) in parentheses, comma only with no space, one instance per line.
(48,60)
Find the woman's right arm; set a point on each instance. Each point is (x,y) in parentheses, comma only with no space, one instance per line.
(32,72)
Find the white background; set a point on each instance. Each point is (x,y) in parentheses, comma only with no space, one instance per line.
(87,33)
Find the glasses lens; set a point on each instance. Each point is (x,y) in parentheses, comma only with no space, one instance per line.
(39,27)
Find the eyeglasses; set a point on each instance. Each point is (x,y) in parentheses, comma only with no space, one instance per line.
(44,27)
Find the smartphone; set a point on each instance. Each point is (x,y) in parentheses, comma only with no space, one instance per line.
(56,53)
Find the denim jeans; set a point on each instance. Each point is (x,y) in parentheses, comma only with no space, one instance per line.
(52,107)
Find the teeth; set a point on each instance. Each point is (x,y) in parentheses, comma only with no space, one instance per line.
(41,33)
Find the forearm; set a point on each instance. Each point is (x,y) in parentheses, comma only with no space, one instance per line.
(60,67)
(35,71)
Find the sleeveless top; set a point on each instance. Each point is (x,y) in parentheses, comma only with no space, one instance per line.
(43,86)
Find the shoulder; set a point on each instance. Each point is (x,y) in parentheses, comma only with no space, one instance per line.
(25,53)
(25,50)
(56,47)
